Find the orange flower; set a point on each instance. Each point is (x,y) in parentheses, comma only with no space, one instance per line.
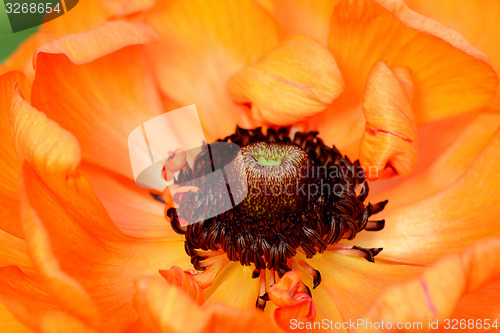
(85,249)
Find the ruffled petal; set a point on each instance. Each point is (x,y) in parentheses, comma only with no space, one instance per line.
(67,292)
(478,21)
(449,220)
(281,89)
(32,307)
(389,144)
(175,311)
(9,163)
(89,14)
(85,246)
(202,45)
(436,292)
(451,77)
(106,96)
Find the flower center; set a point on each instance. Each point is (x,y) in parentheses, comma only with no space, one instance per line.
(275,172)
(302,196)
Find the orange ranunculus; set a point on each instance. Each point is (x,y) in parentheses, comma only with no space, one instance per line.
(84,249)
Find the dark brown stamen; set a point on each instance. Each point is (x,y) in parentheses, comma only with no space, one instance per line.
(267,231)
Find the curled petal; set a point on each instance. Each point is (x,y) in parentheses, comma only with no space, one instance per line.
(283,291)
(9,162)
(302,311)
(468,204)
(436,293)
(56,150)
(293,303)
(183,280)
(389,142)
(98,85)
(285,86)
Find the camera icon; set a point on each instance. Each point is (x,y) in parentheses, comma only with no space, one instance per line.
(218,175)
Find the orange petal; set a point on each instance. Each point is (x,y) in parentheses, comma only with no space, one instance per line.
(305,17)
(9,163)
(202,45)
(102,100)
(449,220)
(84,242)
(89,14)
(183,280)
(389,143)
(281,89)
(32,307)
(436,293)
(21,58)
(293,303)
(105,267)
(463,17)
(68,293)
(353,284)
(13,251)
(452,162)
(175,311)
(403,38)
(230,281)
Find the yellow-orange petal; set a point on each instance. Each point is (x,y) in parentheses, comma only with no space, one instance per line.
(291,83)
(32,307)
(305,17)
(282,292)
(106,96)
(389,145)
(131,208)
(184,281)
(436,292)
(202,44)
(449,220)
(9,163)
(463,17)
(353,285)
(163,307)
(450,76)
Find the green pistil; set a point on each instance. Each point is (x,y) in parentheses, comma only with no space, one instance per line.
(267,161)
